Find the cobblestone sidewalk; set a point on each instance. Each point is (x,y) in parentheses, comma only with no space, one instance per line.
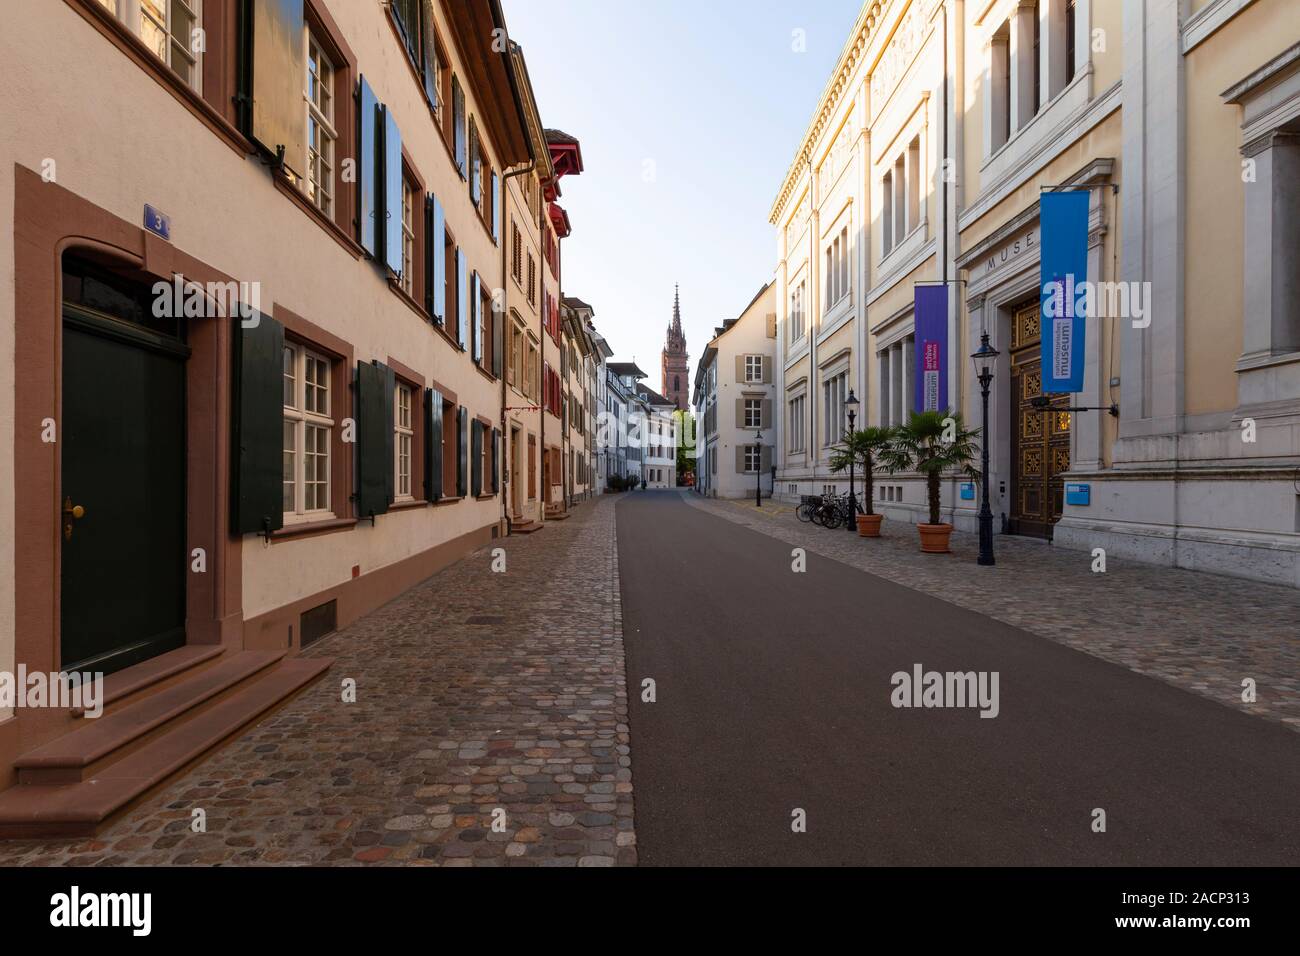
(1201,632)
(475,691)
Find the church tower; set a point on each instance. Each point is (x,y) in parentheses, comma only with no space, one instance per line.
(676,363)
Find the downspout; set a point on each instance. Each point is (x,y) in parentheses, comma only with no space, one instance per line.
(506,324)
(814,295)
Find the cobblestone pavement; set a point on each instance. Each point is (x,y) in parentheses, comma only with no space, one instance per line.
(1201,632)
(525,711)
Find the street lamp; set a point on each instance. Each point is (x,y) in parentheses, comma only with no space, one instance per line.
(758,469)
(851,403)
(983,362)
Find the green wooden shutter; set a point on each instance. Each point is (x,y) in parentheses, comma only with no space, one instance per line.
(430,54)
(390,429)
(496,460)
(373,446)
(392,193)
(476,458)
(458,124)
(462,451)
(368,167)
(279,63)
(432,444)
(257,427)
(462,299)
(435,259)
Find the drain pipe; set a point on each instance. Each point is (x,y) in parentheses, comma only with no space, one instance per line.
(506,325)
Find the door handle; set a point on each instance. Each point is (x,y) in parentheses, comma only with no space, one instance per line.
(71,513)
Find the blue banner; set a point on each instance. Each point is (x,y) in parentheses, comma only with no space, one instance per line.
(930,310)
(1063,221)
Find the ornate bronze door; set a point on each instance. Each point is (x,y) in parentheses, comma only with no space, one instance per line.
(1040,444)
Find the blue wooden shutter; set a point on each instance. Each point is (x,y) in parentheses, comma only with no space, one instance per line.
(475,165)
(432,444)
(369,165)
(373,439)
(462,464)
(462,299)
(257,427)
(496,460)
(476,458)
(476,317)
(435,259)
(458,124)
(496,208)
(392,191)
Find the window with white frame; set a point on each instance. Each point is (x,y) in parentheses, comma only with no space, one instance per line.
(753,368)
(753,458)
(837,268)
(307,431)
(798,322)
(169,29)
(321,135)
(834,391)
(795,424)
(408,237)
(753,413)
(403,439)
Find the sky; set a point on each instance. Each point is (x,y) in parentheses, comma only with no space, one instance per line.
(689,113)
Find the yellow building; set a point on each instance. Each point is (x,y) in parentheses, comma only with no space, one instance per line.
(940,128)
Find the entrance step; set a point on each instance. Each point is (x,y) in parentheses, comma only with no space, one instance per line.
(70,786)
(524,527)
(121,687)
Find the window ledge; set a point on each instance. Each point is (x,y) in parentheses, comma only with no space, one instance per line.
(336,232)
(487,497)
(407,504)
(448,500)
(309,529)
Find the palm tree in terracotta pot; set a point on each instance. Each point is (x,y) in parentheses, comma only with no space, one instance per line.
(932,443)
(863,448)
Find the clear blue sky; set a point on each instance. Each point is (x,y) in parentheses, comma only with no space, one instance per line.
(712,94)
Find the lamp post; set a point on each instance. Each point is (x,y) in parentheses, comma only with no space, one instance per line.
(851,403)
(758,469)
(983,361)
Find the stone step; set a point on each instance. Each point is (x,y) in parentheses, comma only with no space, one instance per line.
(80,808)
(79,754)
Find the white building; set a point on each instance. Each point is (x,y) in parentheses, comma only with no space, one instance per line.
(735,401)
(658,439)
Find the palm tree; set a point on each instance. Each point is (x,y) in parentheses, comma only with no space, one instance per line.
(932,443)
(864,447)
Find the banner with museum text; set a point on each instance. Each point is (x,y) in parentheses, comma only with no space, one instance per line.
(1063,221)
(930,309)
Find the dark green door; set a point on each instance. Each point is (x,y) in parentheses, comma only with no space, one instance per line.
(122,526)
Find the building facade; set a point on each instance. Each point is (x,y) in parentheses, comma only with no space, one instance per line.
(658,435)
(941,126)
(295,312)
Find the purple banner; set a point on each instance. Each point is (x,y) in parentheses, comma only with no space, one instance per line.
(930,308)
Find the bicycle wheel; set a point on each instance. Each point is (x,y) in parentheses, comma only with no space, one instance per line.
(831,518)
(805,512)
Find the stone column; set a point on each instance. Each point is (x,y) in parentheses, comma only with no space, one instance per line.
(1024,97)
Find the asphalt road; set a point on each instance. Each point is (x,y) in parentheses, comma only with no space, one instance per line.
(773,694)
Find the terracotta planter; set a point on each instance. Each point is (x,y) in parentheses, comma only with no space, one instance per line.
(934,538)
(869,525)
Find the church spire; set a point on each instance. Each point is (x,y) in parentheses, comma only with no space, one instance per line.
(677,310)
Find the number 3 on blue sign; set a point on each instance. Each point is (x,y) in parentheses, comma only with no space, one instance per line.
(158,223)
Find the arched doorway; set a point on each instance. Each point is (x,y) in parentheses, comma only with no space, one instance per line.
(1040,438)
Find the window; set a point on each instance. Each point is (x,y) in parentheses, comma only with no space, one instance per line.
(517,256)
(403,440)
(450,461)
(795,424)
(407,15)
(797,319)
(321,134)
(451,280)
(167,28)
(999,103)
(753,458)
(307,431)
(532,280)
(753,413)
(408,237)
(834,391)
(1071,22)
(475,167)
(837,268)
